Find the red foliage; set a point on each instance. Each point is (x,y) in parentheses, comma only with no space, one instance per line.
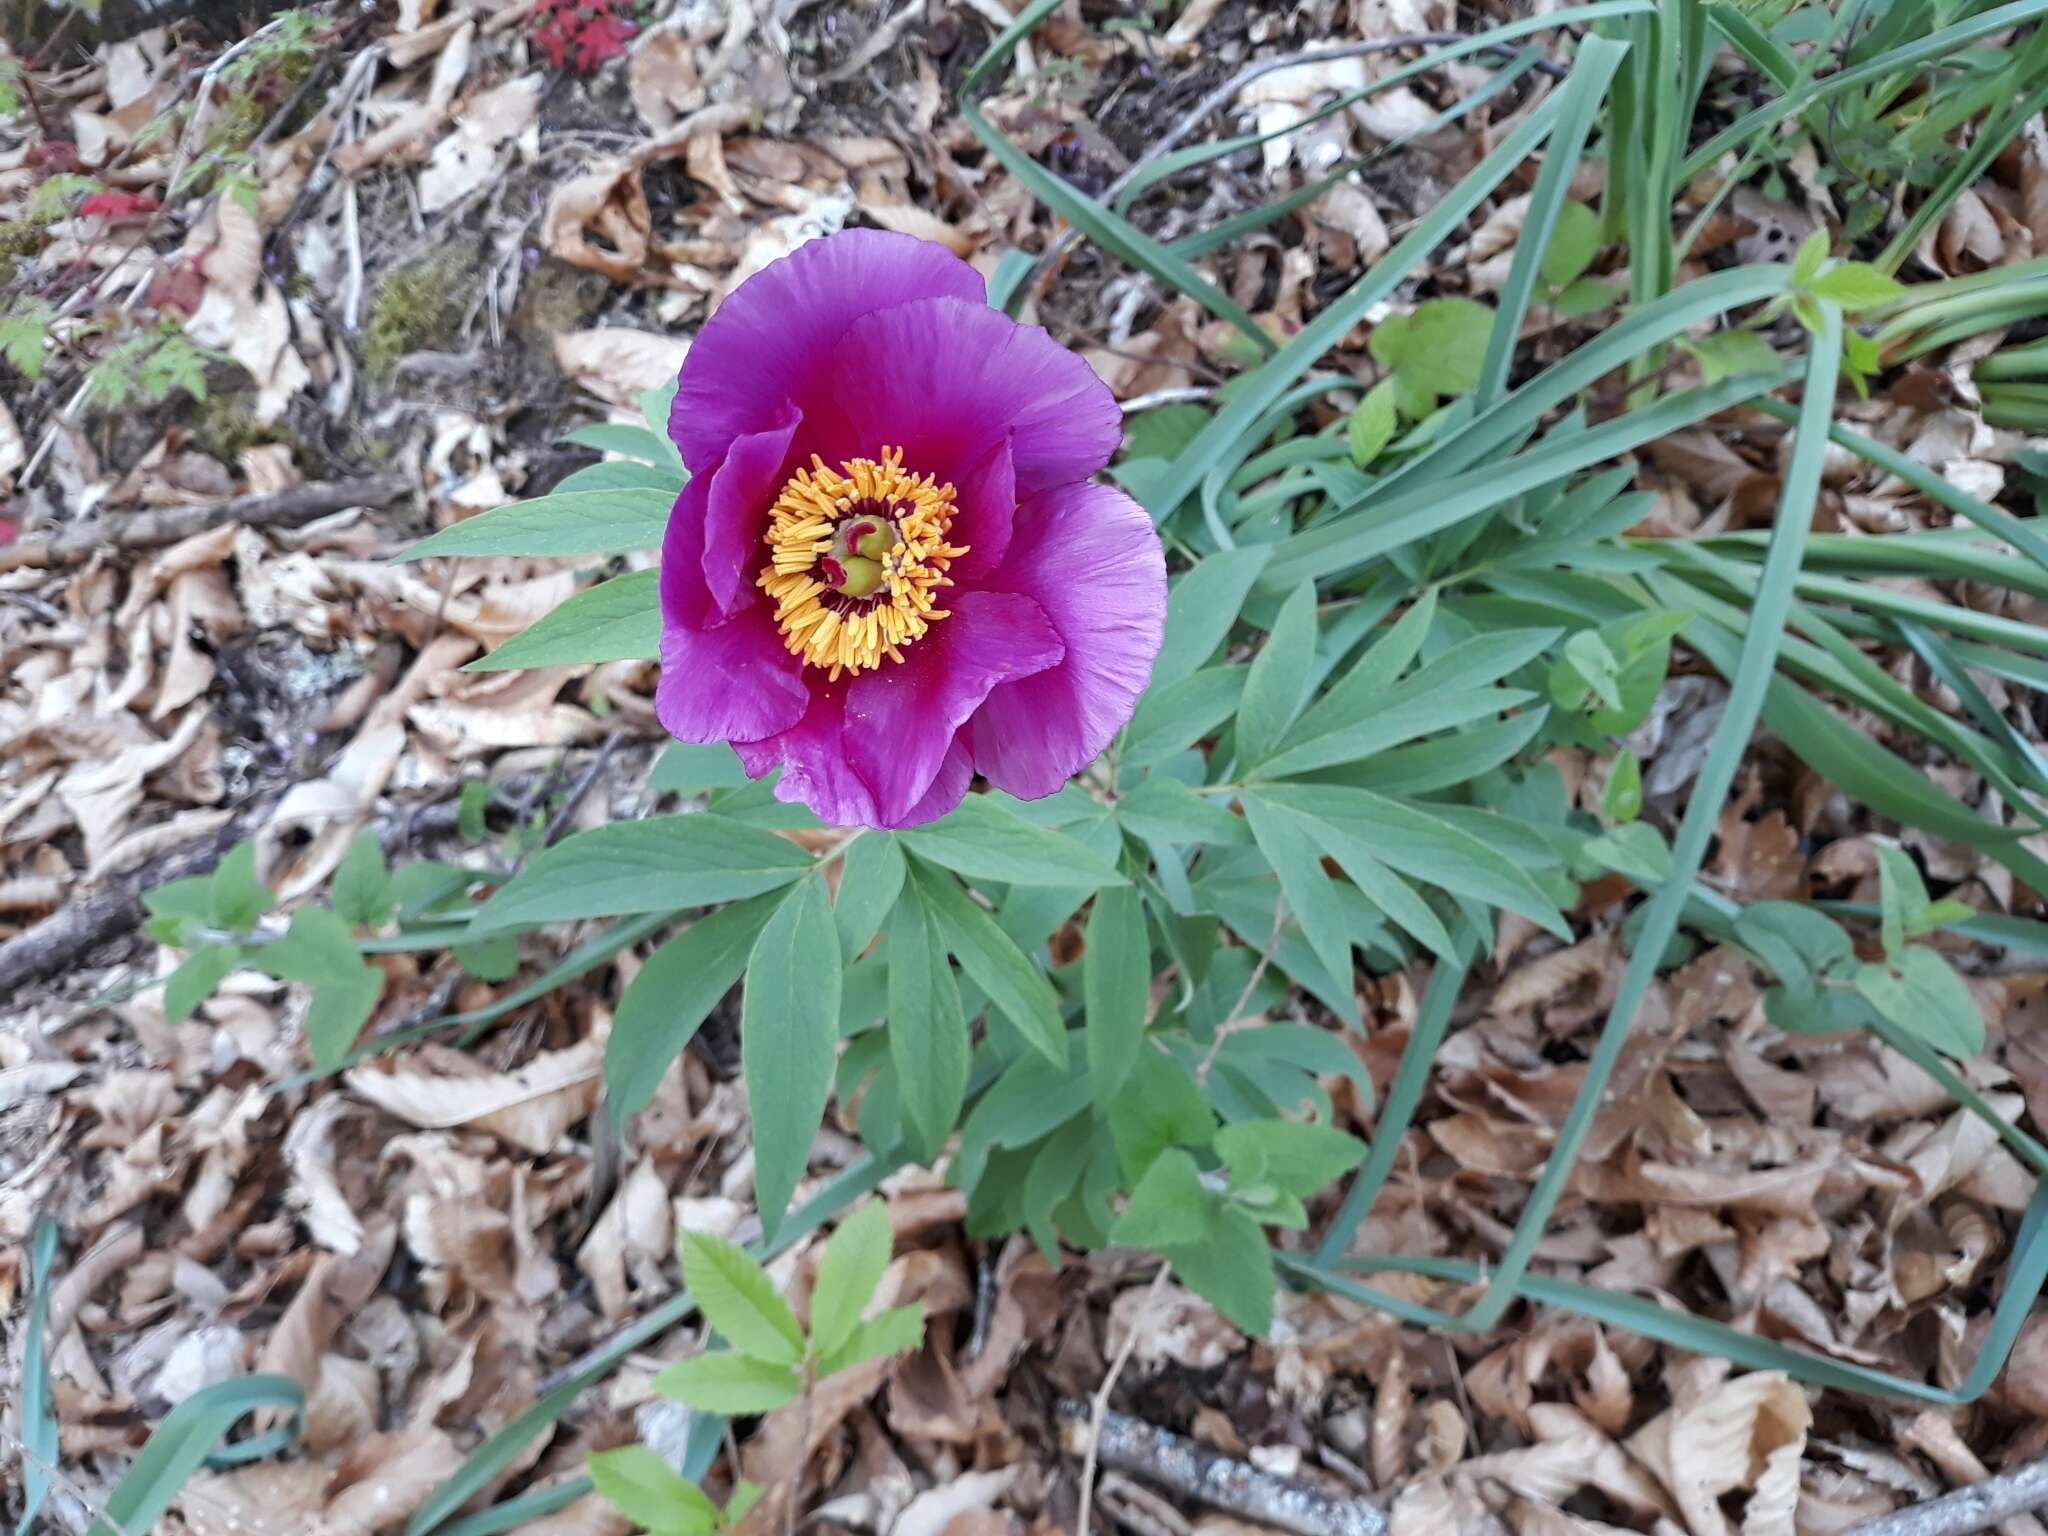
(117,206)
(180,286)
(54,155)
(590,33)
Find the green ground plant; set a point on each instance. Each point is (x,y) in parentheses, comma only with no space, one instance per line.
(1378,630)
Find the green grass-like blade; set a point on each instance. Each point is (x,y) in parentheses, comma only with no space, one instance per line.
(1598,59)
(191,1435)
(1745,706)
(38,1410)
(1256,392)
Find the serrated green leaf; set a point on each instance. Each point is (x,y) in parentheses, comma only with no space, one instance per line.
(1232,1271)
(664,1005)
(317,947)
(495,958)
(985,840)
(1297,1158)
(739,1300)
(1439,349)
(195,979)
(789,1041)
(1169,1206)
(662,863)
(850,1269)
(577,523)
(1279,680)
(362,884)
(191,897)
(928,1040)
(725,1381)
(1116,984)
(992,960)
(616,620)
(1796,943)
(648,1491)
(236,898)
(1161,1106)
(1902,895)
(336,1016)
(890,1333)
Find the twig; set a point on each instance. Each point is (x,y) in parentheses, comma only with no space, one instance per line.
(1153,399)
(1975,1508)
(1235,1017)
(1195,1471)
(1098,1407)
(879,41)
(154,530)
(580,790)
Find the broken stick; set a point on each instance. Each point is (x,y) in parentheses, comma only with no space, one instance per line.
(1976,1508)
(167,525)
(1172,1461)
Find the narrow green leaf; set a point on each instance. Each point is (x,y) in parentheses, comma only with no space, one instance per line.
(192,1431)
(984,840)
(725,1381)
(848,1273)
(660,864)
(1201,608)
(1311,894)
(578,523)
(616,620)
(664,1005)
(928,1039)
(634,442)
(1171,718)
(38,1405)
(789,1041)
(871,875)
(1279,680)
(1116,982)
(1016,987)
(1164,810)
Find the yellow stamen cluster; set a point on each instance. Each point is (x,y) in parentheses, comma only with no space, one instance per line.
(826,627)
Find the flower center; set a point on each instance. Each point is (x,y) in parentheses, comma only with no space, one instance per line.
(856,556)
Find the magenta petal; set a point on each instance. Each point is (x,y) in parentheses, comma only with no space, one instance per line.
(901,718)
(812,754)
(772,338)
(733,682)
(987,511)
(743,488)
(1089,557)
(948,789)
(940,377)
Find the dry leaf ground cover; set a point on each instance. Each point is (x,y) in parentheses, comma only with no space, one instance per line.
(399,252)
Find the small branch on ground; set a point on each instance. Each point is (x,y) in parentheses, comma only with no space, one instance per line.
(1976,1508)
(153,530)
(1098,1407)
(1195,1471)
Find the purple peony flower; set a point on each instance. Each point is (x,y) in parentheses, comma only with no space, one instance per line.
(889,571)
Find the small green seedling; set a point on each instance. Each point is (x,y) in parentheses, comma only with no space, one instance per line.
(770,1363)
